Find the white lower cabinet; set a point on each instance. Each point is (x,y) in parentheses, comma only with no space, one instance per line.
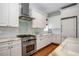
(39,42)
(5,48)
(5,52)
(42,41)
(11,48)
(16,49)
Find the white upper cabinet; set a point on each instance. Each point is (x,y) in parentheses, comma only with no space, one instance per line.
(9,14)
(3,14)
(39,21)
(13,14)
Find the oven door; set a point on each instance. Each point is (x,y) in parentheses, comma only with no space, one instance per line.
(28,48)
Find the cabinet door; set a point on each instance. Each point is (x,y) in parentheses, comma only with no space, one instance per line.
(16,49)
(38,41)
(3,14)
(13,15)
(5,49)
(50,38)
(42,41)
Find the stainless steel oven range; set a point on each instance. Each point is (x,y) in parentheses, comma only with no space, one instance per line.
(28,45)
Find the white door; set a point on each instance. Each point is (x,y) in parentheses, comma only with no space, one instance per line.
(69,27)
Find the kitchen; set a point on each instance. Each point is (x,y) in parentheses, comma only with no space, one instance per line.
(18,27)
(26,28)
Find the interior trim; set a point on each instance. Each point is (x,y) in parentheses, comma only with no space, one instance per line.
(73,4)
(68,17)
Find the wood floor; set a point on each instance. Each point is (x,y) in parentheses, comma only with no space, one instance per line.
(46,50)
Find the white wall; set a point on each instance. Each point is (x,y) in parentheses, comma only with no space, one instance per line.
(8,32)
(40,17)
(55,21)
(71,11)
(55,24)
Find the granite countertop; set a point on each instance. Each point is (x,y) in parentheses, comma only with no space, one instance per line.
(25,35)
(9,39)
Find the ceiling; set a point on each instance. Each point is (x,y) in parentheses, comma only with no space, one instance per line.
(49,7)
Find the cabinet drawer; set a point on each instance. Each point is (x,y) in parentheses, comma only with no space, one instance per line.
(5,48)
(4,44)
(16,42)
(5,52)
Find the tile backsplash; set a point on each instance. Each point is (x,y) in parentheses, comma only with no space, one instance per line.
(6,32)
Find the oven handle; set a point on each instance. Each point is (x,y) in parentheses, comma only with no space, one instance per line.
(28,44)
(28,40)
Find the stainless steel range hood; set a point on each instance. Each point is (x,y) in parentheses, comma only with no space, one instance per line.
(26,18)
(25,12)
